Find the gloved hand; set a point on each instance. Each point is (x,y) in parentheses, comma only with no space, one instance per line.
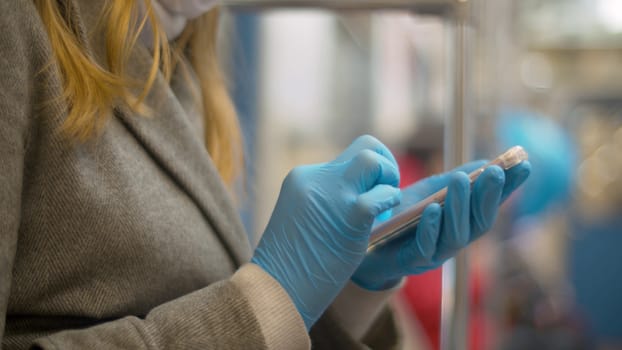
(468,213)
(319,230)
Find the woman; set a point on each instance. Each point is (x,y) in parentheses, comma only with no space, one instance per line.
(118,231)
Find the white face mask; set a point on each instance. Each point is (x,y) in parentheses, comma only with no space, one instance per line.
(174,14)
(188,9)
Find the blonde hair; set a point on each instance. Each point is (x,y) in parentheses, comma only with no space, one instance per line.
(91,91)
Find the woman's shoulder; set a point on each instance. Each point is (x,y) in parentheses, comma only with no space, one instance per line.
(22,35)
(18,17)
(25,55)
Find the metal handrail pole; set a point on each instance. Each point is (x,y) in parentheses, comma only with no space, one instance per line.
(455,295)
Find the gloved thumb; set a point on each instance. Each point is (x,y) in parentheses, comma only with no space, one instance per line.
(375,201)
(366,142)
(368,169)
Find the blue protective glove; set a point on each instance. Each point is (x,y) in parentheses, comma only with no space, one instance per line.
(468,213)
(319,230)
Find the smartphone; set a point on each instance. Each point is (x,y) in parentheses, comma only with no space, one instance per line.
(409,218)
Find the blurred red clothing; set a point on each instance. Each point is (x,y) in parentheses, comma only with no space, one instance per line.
(422,293)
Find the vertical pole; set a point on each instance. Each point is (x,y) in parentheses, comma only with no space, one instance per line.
(455,298)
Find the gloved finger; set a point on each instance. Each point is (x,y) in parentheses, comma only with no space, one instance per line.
(428,186)
(365,142)
(434,264)
(455,229)
(375,201)
(428,231)
(417,250)
(369,168)
(485,200)
(514,177)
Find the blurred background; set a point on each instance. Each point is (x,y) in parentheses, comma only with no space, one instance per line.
(308,78)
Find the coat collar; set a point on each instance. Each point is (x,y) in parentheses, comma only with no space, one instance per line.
(171,140)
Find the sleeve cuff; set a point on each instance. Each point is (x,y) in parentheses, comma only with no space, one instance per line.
(356,308)
(280,322)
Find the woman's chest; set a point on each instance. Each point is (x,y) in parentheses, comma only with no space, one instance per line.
(107,230)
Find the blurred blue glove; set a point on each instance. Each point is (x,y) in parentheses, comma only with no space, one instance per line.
(442,232)
(319,230)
